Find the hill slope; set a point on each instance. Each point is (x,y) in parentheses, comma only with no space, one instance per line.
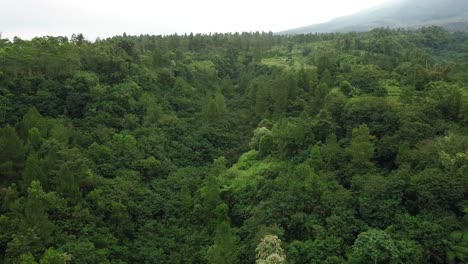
(450,14)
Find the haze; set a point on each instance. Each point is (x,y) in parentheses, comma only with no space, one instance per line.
(104,18)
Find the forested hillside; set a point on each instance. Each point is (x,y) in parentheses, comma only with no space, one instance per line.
(408,14)
(235,148)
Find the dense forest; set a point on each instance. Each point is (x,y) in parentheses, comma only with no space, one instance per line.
(235,148)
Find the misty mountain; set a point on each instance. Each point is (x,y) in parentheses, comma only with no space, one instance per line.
(450,14)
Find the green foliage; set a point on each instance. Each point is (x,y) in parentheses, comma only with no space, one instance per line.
(32,222)
(203,148)
(53,257)
(361,149)
(33,171)
(374,246)
(380,198)
(11,156)
(224,249)
(214,108)
(67,182)
(27,259)
(33,119)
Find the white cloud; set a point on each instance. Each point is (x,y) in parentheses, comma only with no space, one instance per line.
(93,18)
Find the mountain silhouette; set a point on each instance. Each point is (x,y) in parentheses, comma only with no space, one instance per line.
(409,14)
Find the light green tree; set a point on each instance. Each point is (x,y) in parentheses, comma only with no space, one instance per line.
(258,135)
(52,256)
(27,258)
(269,251)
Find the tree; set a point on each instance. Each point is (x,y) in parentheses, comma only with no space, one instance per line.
(34,228)
(151,108)
(214,108)
(67,182)
(381,115)
(365,78)
(446,98)
(125,150)
(380,198)
(11,154)
(27,258)
(331,152)
(214,210)
(53,257)
(34,138)
(334,103)
(346,88)
(463,113)
(78,39)
(319,94)
(262,101)
(269,251)
(33,171)
(224,249)
(374,246)
(457,247)
(326,78)
(220,103)
(279,92)
(258,135)
(436,189)
(316,159)
(362,148)
(33,119)
(35,211)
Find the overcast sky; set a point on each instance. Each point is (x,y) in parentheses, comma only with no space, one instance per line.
(104,18)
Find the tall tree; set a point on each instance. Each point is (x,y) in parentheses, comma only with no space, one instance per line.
(362,148)
(224,249)
(33,171)
(67,182)
(11,154)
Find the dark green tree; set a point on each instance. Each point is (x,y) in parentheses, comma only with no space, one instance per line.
(224,249)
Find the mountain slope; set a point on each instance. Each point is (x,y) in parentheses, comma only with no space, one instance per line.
(451,14)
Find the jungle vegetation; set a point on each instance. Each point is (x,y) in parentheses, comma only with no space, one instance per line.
(235,148)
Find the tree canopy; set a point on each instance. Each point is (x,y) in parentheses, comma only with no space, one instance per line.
(235,148)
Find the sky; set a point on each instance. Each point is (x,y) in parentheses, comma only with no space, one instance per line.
(104,18)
